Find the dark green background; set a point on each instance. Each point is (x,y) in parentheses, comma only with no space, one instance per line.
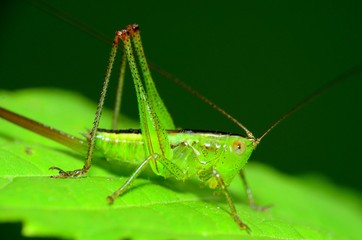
(256,59)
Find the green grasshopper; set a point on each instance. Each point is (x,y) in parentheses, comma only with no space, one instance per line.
(213,158)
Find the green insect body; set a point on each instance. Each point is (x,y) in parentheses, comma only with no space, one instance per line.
(211,157)
(194,154)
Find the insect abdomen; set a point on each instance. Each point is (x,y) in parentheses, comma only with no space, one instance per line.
(125,147)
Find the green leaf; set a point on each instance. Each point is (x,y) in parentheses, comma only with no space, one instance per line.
(304,207)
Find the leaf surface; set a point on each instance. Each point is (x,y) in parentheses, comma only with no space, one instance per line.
(154,208)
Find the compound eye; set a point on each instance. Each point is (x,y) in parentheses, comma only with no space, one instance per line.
(239,147)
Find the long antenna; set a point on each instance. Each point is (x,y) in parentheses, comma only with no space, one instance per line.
(204,99)
(94,33)
(339,79)
(75,23)
(47,8)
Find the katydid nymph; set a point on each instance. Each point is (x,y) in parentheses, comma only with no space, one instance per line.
(213,158)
